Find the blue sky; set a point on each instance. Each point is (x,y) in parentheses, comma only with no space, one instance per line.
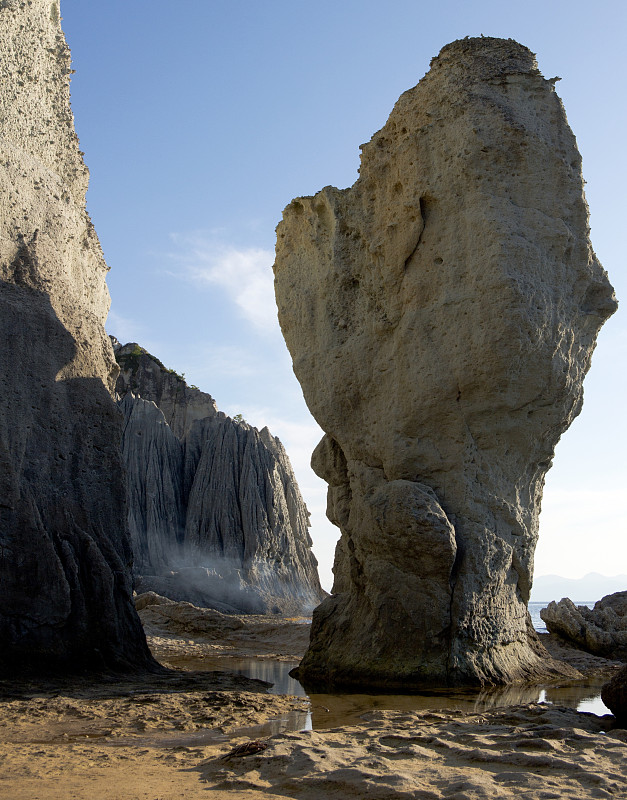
(201,120)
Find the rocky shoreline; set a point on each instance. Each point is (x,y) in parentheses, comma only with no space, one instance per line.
(170,734)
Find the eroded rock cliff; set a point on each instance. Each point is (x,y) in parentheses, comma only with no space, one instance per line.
(441,315)
(215,512)
(64,547)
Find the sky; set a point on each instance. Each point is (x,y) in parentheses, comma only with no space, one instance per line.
(202,119)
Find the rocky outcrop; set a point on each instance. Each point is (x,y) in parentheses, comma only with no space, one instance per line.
(614,695)
(143,374)
(64,547)
(441,315)
(601,630)
(215,513)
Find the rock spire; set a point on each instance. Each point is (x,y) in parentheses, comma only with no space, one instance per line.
(441,315)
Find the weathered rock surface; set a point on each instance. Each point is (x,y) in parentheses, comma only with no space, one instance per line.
(601,630)
(179,632)
(614,695)
(153,457)
(441,315)
(215,513)
(64,547)
(143,374)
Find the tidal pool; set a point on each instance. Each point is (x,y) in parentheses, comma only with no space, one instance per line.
(337,709)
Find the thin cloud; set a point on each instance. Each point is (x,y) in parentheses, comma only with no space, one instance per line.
(219,361)
(244,273)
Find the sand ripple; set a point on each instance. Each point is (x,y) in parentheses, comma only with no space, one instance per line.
(535,752)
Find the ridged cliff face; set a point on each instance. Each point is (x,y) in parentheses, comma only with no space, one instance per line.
(441,315)
(64,547)
(215,513)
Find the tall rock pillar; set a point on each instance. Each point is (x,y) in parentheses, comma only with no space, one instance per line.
(64,547)
(441,315)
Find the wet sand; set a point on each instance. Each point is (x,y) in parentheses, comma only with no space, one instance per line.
(169,736)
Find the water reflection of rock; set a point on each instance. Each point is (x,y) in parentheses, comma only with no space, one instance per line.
(574,694)
(275,672)
(290,721)
(331,710)
(508,696)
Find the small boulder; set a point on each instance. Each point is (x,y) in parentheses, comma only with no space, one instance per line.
(614,695)
(146,599)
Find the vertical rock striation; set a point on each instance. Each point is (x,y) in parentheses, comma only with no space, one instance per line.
(215,513)
(64,548)
(154,482)
(441,315)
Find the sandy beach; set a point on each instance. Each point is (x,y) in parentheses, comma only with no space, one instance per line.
(174,735)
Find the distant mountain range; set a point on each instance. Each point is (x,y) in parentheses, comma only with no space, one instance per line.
(590,588)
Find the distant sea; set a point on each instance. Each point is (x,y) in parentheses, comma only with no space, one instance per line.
(593,586)
(534,610)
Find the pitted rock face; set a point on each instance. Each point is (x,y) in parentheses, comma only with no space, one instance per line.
(441,315)
(64,546)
